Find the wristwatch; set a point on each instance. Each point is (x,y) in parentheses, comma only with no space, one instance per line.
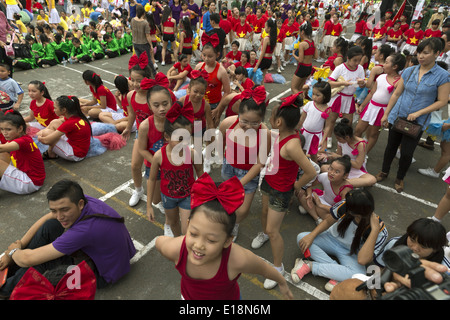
(12,252)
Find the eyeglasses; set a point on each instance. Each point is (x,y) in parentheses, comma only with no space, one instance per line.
(247,123)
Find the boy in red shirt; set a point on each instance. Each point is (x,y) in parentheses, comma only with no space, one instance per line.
(243,32)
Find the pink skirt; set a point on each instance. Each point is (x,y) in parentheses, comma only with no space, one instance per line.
(342,104)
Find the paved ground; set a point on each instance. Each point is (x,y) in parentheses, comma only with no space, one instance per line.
(152,277)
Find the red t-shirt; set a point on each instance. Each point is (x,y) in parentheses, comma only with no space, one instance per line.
(45,113)
(250,19)
(247,84)
(188,68)
(396,35)
(259,24)
(225,25)
(104,91)
(232,56)
(430,33)
(335,29)
(378,33)
(242,30)
(155,139)
(413,37)
(78,134)
(28,159)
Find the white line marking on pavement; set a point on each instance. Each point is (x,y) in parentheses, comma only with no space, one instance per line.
(407,195)
(66,67)
(143,250)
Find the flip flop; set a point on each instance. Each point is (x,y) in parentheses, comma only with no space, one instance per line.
(46,156)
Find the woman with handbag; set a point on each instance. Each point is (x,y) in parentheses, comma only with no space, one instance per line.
(421,90)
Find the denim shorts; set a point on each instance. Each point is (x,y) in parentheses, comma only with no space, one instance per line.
(147,173)
(278,200)
(172,203)
(228,171)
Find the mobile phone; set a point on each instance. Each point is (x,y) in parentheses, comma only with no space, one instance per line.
(307,254)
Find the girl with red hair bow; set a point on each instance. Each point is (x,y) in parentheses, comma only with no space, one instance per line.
(175,163)
(246,140)
(206,257)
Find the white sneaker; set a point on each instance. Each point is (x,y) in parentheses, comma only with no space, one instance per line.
(155,65)
(429,172)
(318,221)
(279,70)
(260,239)
(168,231)
(329,142)
(163,63)
(235,231)
(270,284)
(160,207)
(135,197)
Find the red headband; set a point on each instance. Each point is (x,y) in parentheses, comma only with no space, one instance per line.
(290,100)
(258,94)
(178,109)
(142,60)
(230,193)
(213,39)
(34,286)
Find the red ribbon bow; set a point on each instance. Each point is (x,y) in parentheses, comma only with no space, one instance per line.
(160,80)
(325,114)
(290,100)
(213,39)
(319,192)
(178,109)
(258,94)
(8,111)
(142,60)
(390,89)
(199,73)
(230,193)
(34,286)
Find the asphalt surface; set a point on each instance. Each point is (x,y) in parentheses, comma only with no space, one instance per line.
(152,277)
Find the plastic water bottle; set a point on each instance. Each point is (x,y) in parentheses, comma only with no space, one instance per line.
(64,62)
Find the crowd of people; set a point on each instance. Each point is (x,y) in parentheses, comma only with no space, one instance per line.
(359,84)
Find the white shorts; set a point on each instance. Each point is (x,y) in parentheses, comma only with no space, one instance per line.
(256,41)
(278,48)
(328,41)
(412,49)
(289,43)
(16,181)
(119,115)
(54,17)
(64,150)
(10,10)
(243,44)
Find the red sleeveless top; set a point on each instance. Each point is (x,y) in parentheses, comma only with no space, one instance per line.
(239,156)
(176,181)
(155,139)
(310,51)
(142,110)
(217,288)
(281,174)
(214,89)
(169,24)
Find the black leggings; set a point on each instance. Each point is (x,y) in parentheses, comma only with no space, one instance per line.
(407,147)
(47,61)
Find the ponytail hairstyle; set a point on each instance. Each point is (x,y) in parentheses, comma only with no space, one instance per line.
(357,202)
(355,51)
(167,12)
(306,27)
(343,129)
(345,161)
(186,22)
(398,60)
(273,32)
(290,113)
(180,122)
(15,118)
(93,78)
(151,20)
(249,104)
(324,88)
(342,44)
(42,88)
(72,106)
(121,84)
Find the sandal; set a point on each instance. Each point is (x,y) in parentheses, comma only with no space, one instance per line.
(46,156)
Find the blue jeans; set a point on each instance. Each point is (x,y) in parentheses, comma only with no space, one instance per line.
(172,203)
(323,265)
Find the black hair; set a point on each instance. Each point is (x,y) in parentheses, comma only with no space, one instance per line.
(92,77)
(76,40)
(306,28)
(66,188)
(343,128)
(367,43)
(215,17)
(235,42)
(246,54)
(324,88)
(357,202)
(273,32)
(386,50)
(355,51)
(72,106)
(94,35)
(198,80)
(15,118)
(181,57)
(106,37)
(442,64)
(290,114)
(428,233)
(187,27)
(435,45)
(345,161)
(215,212)
(151,20)
(180,122)
(165,14)
(398,60)
(343,45)
(41,87)
(44,39)
(251,105)
(58,38)
(241,70)
(208,45)
(121,83)
(155,89)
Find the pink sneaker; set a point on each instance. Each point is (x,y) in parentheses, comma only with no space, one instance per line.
(301,268)
(330,285)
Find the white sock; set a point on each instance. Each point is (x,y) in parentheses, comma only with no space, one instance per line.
(435,219)
(280,269)
(140,189)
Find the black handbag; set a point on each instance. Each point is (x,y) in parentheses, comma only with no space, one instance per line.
(409,128)
(22,50)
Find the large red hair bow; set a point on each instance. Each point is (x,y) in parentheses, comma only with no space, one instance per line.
(230,193)
(290,100)
(258,94)
(142,60)
(213,39)
(178,109)
(34,286)
(199,73)
(160,80)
